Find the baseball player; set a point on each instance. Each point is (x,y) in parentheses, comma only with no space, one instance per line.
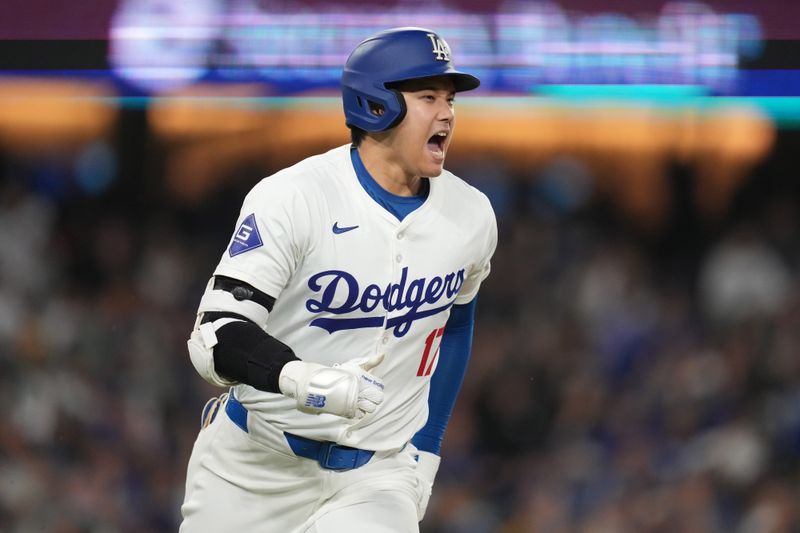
(340,316)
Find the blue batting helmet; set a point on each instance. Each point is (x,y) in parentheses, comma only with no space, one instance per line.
(388,57)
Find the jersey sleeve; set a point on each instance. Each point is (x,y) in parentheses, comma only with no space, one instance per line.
(448,377)
(487,238)
(270,237)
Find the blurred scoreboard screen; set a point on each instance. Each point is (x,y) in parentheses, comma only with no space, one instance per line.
(568,49)
(517,47)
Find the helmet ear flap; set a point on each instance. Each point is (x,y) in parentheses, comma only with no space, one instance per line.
(360,108)
(402,113)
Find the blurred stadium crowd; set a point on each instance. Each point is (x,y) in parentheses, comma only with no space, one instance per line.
(621,380)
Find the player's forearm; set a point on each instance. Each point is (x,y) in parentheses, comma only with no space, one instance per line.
(447,379)
(229,344)
(228,348)
(247,354)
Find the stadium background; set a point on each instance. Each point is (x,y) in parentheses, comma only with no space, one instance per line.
(636,362)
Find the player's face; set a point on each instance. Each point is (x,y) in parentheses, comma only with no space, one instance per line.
(423,136)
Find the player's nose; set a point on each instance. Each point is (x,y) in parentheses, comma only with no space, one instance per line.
(446,112)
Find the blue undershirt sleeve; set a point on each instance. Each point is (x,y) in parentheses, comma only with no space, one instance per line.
(449,375)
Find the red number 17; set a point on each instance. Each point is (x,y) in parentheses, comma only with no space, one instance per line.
(425,368)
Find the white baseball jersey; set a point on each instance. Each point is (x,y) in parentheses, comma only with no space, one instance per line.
(351,281)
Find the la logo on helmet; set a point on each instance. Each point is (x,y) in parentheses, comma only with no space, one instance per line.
(440,48)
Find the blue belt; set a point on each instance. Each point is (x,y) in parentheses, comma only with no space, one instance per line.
(329,455)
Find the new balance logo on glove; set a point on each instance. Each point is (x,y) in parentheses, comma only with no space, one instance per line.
(315,400)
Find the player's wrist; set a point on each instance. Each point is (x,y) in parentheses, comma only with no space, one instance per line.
(320,389)
(346,390)
(293,376)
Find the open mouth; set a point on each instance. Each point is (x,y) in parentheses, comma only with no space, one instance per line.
(436,143)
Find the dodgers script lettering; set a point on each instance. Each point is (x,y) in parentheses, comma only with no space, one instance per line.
(412,295)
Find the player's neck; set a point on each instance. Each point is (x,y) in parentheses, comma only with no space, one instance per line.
(386,170)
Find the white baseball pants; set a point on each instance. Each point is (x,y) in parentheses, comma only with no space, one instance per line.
(238,481)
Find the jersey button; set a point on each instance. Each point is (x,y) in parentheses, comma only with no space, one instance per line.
(385,340)
(398,258)
(400,235)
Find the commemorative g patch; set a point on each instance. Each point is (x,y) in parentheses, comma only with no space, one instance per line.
(246,237)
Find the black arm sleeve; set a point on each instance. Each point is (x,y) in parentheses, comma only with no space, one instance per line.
(247,354)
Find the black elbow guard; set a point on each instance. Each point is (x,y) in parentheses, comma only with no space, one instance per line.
(247,354)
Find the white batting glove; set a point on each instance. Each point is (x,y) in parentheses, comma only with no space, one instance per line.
(347,390)
(427,466)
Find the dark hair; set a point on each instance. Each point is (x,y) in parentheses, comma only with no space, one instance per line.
(356,135)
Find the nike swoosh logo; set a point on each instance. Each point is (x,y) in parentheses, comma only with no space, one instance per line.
(337,230)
